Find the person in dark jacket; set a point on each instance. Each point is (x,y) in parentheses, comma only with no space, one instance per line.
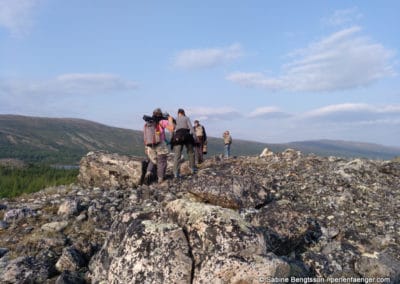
(183,136)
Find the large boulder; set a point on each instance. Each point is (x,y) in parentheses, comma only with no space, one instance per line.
(215,229)
(225,248)
(227,191)
(143,251)
(285,229)
(28,269)
(98,169)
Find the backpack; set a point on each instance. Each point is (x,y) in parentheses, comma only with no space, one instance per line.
(199,130)
(182,136)
(151,133)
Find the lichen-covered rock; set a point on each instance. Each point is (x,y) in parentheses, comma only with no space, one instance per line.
(15,215)
(70,277)
(3,251)
(285,229)
(29,269)
(71,260)
(3,225)
(238,220)
(256,269)
(226,190)
(215,229)
(147,252)
(266,153)
(54,226)
(69,208)
(105,170)
(379,265)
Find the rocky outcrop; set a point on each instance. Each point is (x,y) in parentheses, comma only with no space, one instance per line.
(241,220)
(110,171)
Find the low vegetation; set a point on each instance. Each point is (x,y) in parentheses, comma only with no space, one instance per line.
(32,178)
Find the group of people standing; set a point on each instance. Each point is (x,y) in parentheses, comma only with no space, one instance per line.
(183,134)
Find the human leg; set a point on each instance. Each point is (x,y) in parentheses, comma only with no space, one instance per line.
(152,155)
(200,149)
(177,156)
(226,151)
(190,153)
(161,166)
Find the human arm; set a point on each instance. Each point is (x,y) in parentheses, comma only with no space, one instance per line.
(170,126)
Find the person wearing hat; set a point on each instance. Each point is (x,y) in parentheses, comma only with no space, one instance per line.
(201,141)
(157,152)
(183,136)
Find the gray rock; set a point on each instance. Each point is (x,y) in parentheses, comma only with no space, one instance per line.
(68,208)
(392,168)
(71,260)
(266,153)
(256,269)
(3,251)
(235,220)
(15,215)
(81,217)
(54,226)
(28,269)
(3,225)
(104,170)
(215,229)
(144,251)
(68,277)
(379,265)
(227,190)
(285,229)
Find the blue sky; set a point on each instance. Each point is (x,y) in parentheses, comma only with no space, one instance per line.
(270,71)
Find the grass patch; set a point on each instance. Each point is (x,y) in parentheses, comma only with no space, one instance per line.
(17,181)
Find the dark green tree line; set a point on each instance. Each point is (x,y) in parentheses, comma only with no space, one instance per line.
(15,181)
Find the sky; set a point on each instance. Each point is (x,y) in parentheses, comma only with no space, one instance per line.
(268,71)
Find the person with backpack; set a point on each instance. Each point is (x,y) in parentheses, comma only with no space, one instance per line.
(183,136)
(155,142)
(227,143)
(201,135)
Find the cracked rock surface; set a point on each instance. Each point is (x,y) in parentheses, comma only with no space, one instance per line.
(239,220)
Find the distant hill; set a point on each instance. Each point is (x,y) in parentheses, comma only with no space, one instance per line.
(66,140)
(61,140)
(346,149)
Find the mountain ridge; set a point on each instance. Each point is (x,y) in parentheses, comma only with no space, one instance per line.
(66,140)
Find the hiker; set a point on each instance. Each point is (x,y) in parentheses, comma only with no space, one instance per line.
(201,141)
(183,136)
(227,142)
(155,143)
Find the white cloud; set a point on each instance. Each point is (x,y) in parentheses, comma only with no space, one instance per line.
(343,17)
(268,112)
(344,60)
(209,113)
(355,113)
(17,15)
(91,83)
(68,84)
(207,58)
